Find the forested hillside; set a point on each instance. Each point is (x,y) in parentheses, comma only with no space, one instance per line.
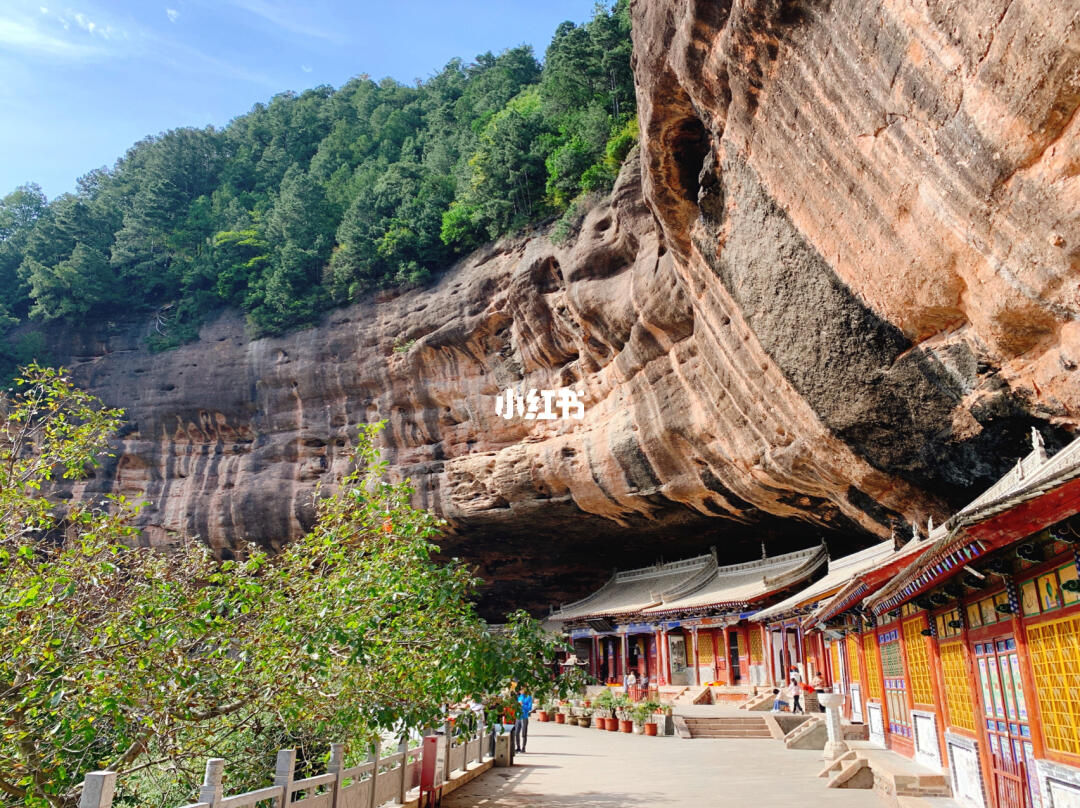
(316,199)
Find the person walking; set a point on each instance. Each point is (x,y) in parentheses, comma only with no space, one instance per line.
(794,693)
(525,702)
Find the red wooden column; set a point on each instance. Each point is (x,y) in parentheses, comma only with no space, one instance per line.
(864,678)
(667,656)
(1027,682)
(594,657)
(696,657)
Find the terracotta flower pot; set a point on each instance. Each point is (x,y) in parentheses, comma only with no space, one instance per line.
(560,718)
(598,721)
(611,724)
(650,728)
(541,715)
(626,726)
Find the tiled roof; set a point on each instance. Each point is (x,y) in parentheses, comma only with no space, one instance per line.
(745,583)
(840,571)
(695,583)
(870,578)
(1034,475)
(634,591)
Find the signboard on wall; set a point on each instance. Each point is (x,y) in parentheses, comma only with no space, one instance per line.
(966,775)
(924,725)
(876,723)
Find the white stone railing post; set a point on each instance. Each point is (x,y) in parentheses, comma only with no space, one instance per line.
(335,767)
(211,791)
(283,774)
(403,781)
(98,790)
(480,751)
(374,775)
(835,746)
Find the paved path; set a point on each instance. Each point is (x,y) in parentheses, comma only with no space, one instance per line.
(571,767)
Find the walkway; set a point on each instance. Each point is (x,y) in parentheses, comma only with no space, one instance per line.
(571,767)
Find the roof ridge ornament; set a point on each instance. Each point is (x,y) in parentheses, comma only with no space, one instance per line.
(1038,445)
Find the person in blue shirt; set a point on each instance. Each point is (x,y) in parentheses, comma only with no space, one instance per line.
(525,701)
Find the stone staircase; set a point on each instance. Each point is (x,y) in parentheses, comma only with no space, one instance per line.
(727,727)
(810,734)
(758,702)
(898,781)
(693,695)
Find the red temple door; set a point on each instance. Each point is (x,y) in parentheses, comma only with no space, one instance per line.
(1007,724)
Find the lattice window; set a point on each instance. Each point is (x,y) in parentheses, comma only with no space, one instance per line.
(834,648)
(755,647)
(704,648)
(918,661)
(1054,650)
(853,658)
(957,687)
(869,643)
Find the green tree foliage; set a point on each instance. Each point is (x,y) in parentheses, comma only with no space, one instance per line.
(315,199)
(147,662)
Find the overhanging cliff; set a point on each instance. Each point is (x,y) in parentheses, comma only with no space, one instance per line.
(834,295)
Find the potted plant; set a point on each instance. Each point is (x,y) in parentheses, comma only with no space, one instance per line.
(641,714)
(626,723)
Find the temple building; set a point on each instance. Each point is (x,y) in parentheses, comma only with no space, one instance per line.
(685,622)
(792,647)
(962,649)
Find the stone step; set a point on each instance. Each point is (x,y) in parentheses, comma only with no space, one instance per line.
(727,727)
(903,801)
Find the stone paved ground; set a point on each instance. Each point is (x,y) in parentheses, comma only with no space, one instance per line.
(571,767)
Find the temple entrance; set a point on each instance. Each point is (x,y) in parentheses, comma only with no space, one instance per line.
(733,657)
(1005,713)
(680,671)
(892,669)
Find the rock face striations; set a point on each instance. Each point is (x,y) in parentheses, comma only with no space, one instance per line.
(834,295)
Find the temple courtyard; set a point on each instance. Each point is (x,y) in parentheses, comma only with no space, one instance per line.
(571,767)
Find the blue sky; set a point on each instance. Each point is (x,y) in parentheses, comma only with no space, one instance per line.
(83,80)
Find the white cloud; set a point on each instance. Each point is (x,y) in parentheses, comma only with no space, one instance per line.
(172,14)
(283,17)
(306,68)
(25,36)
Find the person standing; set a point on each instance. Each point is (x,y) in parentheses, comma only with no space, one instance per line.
(525,702)
(818,684)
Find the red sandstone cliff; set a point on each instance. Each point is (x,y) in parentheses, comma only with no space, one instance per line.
(841,288)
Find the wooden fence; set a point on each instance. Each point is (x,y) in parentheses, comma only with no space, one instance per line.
(373,783)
